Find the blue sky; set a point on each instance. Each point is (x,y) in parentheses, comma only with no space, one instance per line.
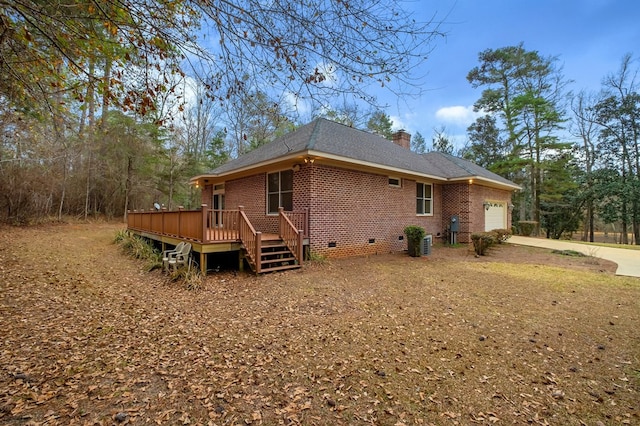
(589,38)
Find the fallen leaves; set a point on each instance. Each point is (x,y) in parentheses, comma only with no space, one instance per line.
(348,342)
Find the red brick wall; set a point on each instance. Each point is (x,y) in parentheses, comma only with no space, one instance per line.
(349,208)
(456,202)
(479,195)
(251,192)
(466,200)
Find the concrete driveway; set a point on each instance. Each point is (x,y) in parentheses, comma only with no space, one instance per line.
(628,260)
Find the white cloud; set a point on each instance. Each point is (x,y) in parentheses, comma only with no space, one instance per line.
(458,115)
(397,123)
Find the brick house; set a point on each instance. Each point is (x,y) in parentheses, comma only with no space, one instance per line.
(358,190)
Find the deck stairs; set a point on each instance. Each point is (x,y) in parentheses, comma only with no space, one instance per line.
(275,256)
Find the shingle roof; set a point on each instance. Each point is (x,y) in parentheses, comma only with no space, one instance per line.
(330,138)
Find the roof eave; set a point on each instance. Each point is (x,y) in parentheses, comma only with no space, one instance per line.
(241,170)
(490,182)
(319,155)
(341,160)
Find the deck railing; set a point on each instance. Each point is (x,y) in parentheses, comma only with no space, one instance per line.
(222,225)
(251,239)
(291,236)
(300,220)
(203,225)
(209,226)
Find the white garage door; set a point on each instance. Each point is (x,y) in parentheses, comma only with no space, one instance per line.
(496,216)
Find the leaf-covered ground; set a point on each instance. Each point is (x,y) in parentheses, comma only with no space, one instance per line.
(88,337)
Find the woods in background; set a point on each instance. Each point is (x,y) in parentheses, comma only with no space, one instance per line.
(106,107)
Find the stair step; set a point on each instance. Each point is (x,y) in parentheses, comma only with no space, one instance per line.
(270,249)
(279,268)
(269,260)
(283,260)
(266,243)
(271,253)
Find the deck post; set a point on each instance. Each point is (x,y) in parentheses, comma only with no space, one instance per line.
(203,263)
(300,255)
(180,208)
(240,261)
(307,221)
(203,207)
(164,209)
(240,233)
(258,258)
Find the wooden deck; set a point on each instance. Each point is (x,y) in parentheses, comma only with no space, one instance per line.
(216,231)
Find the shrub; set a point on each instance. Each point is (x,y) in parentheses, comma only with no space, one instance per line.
(501,235)
(482,241)
(415,235)
(316,257)
(190,277)
(139,248)
(527,227)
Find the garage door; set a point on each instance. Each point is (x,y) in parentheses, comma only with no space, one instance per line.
(496,216)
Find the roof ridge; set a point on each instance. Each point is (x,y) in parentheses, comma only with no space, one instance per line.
(314,134)
(462,164)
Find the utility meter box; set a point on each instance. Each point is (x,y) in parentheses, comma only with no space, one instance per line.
(455,224)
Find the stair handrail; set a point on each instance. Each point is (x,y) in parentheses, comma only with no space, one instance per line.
(292,237)
(251,239)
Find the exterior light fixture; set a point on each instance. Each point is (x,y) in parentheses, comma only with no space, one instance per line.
(486,205)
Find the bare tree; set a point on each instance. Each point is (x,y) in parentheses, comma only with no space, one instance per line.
(585,128)
(310,49)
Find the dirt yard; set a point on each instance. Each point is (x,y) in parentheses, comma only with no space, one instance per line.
(521,336)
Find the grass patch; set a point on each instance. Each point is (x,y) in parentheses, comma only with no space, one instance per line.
(610,245)
(571,253)
(316,257)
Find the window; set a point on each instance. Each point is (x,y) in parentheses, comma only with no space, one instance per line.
(279,191)
(424,198)
(395,182)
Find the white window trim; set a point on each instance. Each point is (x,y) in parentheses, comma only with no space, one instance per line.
(267,193)
(399,185)
(424,198)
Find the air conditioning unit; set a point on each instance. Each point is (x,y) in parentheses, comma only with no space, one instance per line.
(427,242)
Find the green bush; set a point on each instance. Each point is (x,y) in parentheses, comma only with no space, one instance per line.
(501,235)
(482,241)
(139,248)
(527,227)
(415,235)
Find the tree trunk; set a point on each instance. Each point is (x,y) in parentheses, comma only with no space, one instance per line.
(127,186)
(591,222)
(624,236)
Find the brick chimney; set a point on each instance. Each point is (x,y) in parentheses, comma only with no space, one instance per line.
(402,138)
